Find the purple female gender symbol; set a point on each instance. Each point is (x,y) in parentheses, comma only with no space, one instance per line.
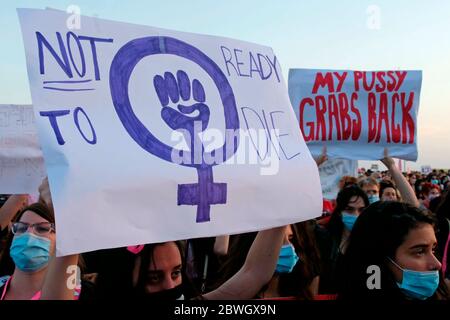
(205,192)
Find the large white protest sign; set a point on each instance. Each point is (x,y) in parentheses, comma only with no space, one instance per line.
(153,135)
(357,114)
(21,161)
(331,171)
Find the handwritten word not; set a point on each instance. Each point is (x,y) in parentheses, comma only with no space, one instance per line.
(65,57)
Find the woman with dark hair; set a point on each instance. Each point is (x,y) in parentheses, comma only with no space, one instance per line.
(37,274)
(157,271)
(32,246)
(390,256)
(388,192)
(442,211)
(332,239)
(297,272)
(303,281)
(165,262)
(160,272)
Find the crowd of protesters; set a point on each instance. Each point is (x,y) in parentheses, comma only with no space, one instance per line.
(427,187)
(390,222)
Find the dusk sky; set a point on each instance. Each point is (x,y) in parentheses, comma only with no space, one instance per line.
(406,35)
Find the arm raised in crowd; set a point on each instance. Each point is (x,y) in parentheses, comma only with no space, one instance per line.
(61,277)
(405,189)
(257,270)
(14,204)
(58,284)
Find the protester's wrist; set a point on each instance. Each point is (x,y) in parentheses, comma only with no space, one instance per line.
(390,166)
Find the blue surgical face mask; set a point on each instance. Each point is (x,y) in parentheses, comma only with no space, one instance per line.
(418,284)
(373,198)
(434,181)
(30,252)
(348,220)
(287,259)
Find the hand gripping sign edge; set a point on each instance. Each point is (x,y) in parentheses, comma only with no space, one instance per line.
(205,192)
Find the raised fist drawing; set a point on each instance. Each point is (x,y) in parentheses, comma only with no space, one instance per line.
(177,91)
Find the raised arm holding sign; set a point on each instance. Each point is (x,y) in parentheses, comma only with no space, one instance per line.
(404,188)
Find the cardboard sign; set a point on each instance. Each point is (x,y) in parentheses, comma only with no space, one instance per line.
(152,135)
(357,114)
(21,160)
(331,171)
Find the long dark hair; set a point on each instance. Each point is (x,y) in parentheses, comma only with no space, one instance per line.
(146,256)
(40,209)
(297,283)
(335,225)
(442,210)
(237,253)
(377,234)
(387,184)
